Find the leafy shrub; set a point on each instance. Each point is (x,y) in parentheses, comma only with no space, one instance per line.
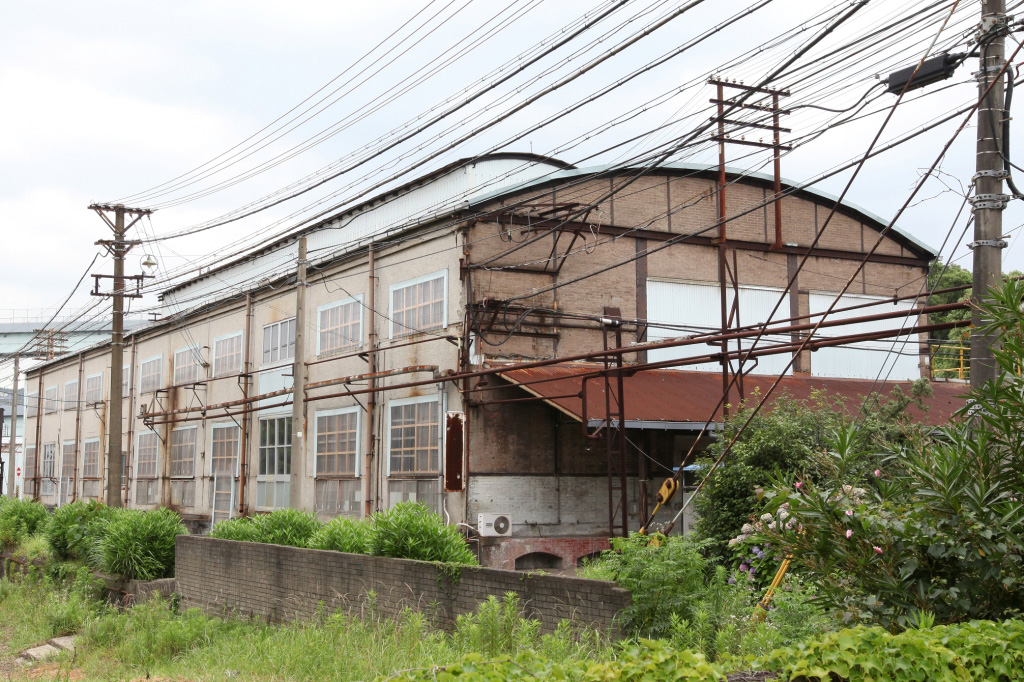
(19,519)
(242,529)
(647,660)
(286,527)
(140,544)
(935,525)
(978,650)
(342,534)
(67,531)
(411,531)
(664,579)
(496,629)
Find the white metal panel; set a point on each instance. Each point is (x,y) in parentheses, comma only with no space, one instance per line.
(697,307)
(895,358)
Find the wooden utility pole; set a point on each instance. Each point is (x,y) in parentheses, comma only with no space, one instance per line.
(298,475)
(12,459)
(117,247)
(988,200)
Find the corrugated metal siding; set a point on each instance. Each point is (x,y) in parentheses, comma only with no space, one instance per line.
(870,359)
(698,307)
(437,198)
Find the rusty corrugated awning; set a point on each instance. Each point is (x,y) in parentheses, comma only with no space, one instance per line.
(682,399)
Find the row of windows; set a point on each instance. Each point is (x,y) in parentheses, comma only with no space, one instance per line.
(52,401)
(416,305)
(414,449)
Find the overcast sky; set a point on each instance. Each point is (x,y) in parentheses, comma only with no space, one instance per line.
(107,98)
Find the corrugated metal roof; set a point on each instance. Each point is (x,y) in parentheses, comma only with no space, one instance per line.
(685,396)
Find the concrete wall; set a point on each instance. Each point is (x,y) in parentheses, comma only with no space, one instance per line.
(282,583)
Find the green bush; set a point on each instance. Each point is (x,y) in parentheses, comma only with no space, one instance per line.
(411,531)
(19,519)
(663,579)
(242,529)
(282,527)
(978,650)
(140,544)
(287,527)
(342,534)
(68,529)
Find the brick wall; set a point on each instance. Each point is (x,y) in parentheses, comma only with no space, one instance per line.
(278,583)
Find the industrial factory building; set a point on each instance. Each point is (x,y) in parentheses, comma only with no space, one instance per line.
(426,319)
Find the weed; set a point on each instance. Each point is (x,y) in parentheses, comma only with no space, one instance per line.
(140,545)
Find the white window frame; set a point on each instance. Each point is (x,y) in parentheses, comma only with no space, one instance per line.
(70,405)
(241,354)
(31,405)
(213,477)
(86,387)
(138,439)
(66,481)
(195,353)
(195,452)
(358,301)
(47,487)
(160,383)
(271,478)
(442,401)
(279,324)
(359,438)
(411,282)
(51,405)
(99,459)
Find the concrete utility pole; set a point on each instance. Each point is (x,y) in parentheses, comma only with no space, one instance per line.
(117,247)
(298,475)
(988,200)
(12,459)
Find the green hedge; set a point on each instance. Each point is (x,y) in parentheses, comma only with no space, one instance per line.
(406,531)
(20,519)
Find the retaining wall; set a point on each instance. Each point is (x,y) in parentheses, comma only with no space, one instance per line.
(279,583)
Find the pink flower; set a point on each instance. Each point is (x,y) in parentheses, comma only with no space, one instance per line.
(878,550)
(849,512)
(849,534)
(799,484)
(878,472)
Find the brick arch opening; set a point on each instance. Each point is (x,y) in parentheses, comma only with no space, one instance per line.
(588,557)
(538,560)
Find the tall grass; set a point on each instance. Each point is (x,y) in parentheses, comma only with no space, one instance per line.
(154,640)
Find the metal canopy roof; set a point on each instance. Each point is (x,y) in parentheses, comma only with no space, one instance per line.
(678,398)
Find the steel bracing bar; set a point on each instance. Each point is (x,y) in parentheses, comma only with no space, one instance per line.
(771,350)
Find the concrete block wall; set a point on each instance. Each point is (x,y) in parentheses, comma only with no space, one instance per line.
(278,583)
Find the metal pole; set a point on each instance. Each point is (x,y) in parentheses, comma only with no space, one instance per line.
(371,401)
(298,463)
(12,460)
(115,457)
(988,199)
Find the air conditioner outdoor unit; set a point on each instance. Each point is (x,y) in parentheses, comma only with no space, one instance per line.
(494,525)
